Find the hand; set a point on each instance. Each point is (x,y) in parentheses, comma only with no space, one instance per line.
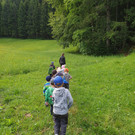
(46,104)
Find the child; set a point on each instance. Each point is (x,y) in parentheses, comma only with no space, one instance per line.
(54,72)
(50,70)
(48,78)
(52,64)
(48,96)
(67,77)
(62,68)
(62,102)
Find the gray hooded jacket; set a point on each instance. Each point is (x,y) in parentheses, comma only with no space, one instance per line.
(62,101)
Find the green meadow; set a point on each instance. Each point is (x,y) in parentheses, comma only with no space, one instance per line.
(103,89)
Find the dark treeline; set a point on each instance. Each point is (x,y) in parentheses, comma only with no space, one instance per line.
(97,27)
(24,19)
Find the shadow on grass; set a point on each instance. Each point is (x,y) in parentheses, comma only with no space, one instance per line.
(17,72)
(2,89)
(7,100)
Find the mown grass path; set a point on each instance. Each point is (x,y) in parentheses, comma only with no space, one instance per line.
(103,90)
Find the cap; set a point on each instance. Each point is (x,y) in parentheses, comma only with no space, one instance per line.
(66,70)
(58,81)
(63,66)
(48,78)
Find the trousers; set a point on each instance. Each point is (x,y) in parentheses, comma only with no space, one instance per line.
(60,124)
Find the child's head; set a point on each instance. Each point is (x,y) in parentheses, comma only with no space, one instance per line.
(63,66)
(48,78)
(58,81)
(52,63)
(54,72)
(58,69)
(52,82)
(66,70)
(62,54)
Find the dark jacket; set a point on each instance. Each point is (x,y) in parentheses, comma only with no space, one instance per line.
(62,60)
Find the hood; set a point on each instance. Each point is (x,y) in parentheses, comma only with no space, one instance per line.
(60,91)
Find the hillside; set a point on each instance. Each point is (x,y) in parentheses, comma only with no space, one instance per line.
(103,90)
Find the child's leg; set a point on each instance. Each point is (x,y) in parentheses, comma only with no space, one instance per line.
(56,125)
(51,109)
(64,122)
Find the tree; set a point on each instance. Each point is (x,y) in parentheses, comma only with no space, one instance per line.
(4,19)
(22,32)
(22,18)
(45,30)
(96,27)
(30,20)
(0,17)
(13,20)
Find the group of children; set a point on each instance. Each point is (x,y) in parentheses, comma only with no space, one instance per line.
(57,95)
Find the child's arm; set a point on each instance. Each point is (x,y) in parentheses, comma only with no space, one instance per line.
(70,100)
(44,91)
(70,77)
(46,96)
(46,103)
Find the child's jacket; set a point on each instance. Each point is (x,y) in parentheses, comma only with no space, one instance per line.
(62,101)
(50,70)
(67,76)
(48,95)
(46,86)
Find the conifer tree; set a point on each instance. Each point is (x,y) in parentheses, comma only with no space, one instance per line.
(0,18)
(45,30)
(22,33)
(14,24)
(30,20)
(4,19)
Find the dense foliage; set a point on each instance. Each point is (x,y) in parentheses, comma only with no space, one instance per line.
(24,19)
(96,27)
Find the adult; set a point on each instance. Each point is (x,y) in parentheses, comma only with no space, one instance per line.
(62,60)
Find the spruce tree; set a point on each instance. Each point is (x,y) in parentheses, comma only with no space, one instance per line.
(30,20)
(45,30)
(4,19)
(0,18)
(14,24)
(22,21)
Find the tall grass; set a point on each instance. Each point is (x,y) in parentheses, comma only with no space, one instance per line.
(103,90)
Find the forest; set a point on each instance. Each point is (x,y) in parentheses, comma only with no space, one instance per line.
(24,19)
(95,27)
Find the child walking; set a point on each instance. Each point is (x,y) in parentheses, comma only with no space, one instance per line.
(48,96)
(47,84)
(67,77)
(62,102)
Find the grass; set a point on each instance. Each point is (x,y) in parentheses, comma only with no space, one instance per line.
(103,90)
